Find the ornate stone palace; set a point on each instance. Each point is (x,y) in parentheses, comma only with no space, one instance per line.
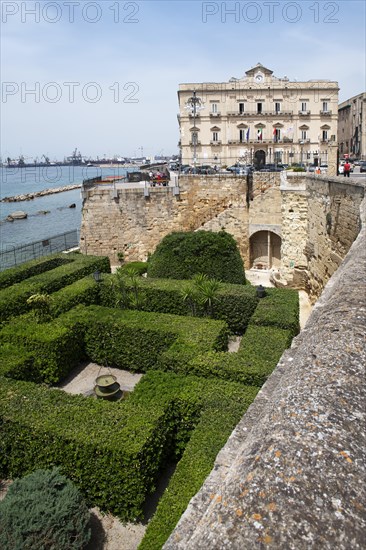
(258,119)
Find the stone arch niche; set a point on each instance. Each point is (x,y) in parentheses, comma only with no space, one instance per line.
(265,250)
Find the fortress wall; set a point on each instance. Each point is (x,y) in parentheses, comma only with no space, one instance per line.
(333,225)
(134,224)
(317,218)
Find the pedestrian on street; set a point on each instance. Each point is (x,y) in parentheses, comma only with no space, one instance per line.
(347,169)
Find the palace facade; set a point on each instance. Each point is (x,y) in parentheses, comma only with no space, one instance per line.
(258,119)
(352,127)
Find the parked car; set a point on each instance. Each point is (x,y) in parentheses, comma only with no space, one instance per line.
(311,168)
(341,168)
(323,168)
(363,166)
(272,168)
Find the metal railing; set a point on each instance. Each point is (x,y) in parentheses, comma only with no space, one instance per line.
(11,256)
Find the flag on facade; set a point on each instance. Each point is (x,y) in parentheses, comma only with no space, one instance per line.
(248,134)
(259,134)
(274,134)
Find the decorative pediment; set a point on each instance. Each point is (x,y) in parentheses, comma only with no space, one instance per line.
(260,125)
(215,129)
(278,125)
(241,126)
(259,67)
(304,127)
(325,127)
(194,129)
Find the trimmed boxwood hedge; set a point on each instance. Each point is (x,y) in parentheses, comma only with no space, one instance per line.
(56,349)
(181,255)
(13,300)
(84,291)
(234,304)
(280,308)
(138,341)
(17,363)
(132,340)
(223,404)
(33,267)
(112,451)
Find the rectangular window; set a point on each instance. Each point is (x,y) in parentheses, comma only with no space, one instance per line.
(214,108)
(277,107)
(215,136)
(325,135)
(241,108)
(194,138)
(242,134)
(303,107)
(303,134)
(277,134)
(325,106)
(259,107)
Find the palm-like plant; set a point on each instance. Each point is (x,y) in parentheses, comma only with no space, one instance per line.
(208,290)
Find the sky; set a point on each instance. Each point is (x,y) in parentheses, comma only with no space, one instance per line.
(103,76)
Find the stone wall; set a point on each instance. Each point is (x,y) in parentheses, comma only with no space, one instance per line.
(292,474)
(317,218)
(333,225)
(127,221)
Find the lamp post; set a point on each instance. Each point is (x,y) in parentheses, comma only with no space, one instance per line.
(194,104)
(260,291)
(97,276)
(301,149)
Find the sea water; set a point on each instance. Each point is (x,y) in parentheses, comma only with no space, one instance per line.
(49,215)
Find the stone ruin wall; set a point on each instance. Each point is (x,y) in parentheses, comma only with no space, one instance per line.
(316,217)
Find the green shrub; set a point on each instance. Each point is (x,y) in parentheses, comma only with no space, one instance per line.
(234,304)
(222,404)
(182,255)
(44,511)
(112,451)
(264,344)
(138,267)
(34,267)
(55,348)
(13,300)
(84,291)
(17,363)
(280,307)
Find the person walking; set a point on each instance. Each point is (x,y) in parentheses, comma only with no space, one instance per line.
(346,169)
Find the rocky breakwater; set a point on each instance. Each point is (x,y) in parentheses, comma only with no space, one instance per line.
(43,193)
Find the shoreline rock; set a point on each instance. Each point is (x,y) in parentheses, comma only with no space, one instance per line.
(18,215)
(43,193)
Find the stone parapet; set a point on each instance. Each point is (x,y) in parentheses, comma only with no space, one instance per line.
(292,474)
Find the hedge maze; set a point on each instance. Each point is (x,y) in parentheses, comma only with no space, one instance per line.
(189,400)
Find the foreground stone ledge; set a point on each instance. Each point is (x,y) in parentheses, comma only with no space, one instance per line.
(292,474)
